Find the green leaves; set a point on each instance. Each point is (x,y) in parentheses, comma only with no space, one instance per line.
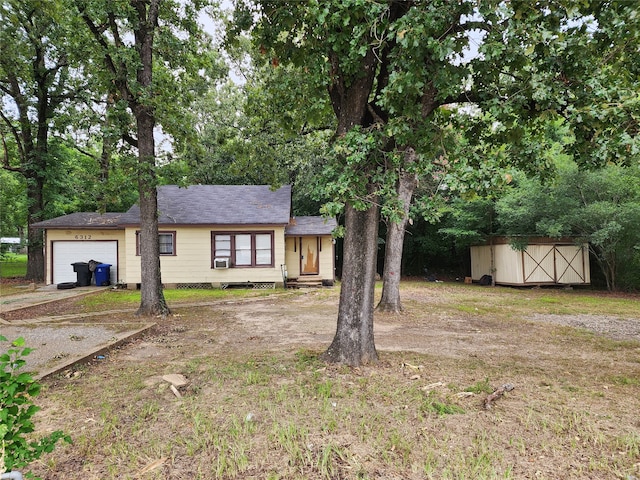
(17,390)
(599,207)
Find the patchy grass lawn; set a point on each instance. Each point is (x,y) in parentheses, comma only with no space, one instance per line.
(13,265)
(261,405)
(13,268)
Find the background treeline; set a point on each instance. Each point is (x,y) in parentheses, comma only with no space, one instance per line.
(555,154)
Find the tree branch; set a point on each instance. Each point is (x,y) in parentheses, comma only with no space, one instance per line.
(5,159)
(85,152)
(469,26)
(130,140)
(14,132)
(97,33)
(469,96)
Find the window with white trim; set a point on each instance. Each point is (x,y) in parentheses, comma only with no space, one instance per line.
(243,249)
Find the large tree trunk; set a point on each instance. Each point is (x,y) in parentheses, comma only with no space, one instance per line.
(152,301)
(35,252)
(390,301)
(353,343)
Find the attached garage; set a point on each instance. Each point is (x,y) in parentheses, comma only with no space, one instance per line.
(82,237)
(544,261)
(209,235)
(65,253)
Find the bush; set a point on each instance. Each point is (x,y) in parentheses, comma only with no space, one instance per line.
(17,391)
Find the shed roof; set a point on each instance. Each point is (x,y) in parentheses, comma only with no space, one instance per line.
(301,226)
(219,205)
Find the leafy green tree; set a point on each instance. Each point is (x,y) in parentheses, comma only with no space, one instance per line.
(242,141)
(17,392)
(391,69)
(601,75)
(469,221)
(600,207)
(13,209)
(155,55)
(38,76)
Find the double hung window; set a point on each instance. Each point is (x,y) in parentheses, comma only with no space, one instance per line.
(167,241)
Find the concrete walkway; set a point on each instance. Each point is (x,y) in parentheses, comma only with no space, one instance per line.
(58,341)
(44,294)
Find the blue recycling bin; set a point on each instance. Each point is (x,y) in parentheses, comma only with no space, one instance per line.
(101,274)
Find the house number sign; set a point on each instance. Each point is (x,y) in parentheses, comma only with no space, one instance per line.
(83,237)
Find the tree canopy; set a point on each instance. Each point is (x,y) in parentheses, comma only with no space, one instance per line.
(39,75)
(392,69)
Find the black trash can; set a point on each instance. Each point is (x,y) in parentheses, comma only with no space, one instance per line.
(83,273)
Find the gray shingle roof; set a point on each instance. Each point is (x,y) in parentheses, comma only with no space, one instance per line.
(82,220)
(196,205)
(219,205)
(301,226)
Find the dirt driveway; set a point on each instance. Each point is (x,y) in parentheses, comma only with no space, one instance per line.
(63,335)
(574,362)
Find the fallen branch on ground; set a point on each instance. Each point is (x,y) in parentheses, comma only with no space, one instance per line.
(507,387)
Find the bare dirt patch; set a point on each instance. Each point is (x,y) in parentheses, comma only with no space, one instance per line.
(260,404)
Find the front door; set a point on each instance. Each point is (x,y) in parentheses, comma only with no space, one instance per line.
(309,262)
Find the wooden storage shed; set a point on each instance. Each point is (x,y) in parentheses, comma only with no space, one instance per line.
(545,261)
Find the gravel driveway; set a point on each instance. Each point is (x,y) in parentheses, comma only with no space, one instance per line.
(56,340)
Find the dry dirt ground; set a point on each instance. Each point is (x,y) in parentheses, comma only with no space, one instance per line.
(576,379)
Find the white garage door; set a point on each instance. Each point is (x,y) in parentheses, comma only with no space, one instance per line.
(67,252)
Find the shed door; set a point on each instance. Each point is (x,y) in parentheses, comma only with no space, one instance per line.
(309,262)
(560,264)
(539,264)
(571,265)
(64,253)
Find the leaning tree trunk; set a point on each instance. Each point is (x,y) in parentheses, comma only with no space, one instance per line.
(390,300)
(353,343)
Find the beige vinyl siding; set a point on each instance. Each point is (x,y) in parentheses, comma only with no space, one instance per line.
(326,257)
(293,258)
(192,262)
(480,261)
(86,235)
(508,264)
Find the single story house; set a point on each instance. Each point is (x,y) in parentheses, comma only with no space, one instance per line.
(544,261)
(210,236)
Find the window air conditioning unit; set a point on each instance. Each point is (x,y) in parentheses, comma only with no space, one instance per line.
(221,263)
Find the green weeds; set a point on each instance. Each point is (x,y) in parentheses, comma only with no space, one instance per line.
(280,414)
(17,407)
